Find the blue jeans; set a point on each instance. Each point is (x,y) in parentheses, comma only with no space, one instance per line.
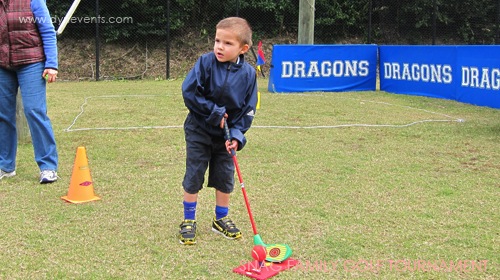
(33,92)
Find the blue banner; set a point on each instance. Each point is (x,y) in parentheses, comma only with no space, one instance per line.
(479,71)
(301,68)
(468,74)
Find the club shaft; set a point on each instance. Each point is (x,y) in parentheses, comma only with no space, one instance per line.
(240,178)
(243,190)
(285,249)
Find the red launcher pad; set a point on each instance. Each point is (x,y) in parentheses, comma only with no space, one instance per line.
(264,270)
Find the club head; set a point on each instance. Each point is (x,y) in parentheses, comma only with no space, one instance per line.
(274,252)
(277,252)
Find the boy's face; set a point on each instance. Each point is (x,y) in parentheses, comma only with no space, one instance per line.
(227,47)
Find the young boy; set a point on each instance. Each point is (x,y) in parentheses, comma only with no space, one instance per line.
(220,87)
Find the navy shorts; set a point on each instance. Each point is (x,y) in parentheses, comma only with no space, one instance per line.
(205,151)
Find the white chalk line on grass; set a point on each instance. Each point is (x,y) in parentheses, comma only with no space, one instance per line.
(69,129)
(352,125)
(449,119)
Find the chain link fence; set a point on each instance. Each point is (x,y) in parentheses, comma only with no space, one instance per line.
(161,39)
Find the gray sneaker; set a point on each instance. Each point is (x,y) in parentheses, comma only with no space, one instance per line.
(187,232)
(226,227)
(6,174)
(48,176)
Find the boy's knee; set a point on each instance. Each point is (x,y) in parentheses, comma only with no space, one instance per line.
(192,190)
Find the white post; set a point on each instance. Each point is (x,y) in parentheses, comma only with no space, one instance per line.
(306,22)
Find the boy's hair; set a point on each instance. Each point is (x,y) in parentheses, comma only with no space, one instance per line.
(240,26)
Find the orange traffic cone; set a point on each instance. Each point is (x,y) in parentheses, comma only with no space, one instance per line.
(81,188)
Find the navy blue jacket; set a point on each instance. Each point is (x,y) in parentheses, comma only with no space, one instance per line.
(212,88)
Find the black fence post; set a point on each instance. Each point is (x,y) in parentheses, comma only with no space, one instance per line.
(97,43)
(168,40)
(370,13)
(497,37)
(434,15)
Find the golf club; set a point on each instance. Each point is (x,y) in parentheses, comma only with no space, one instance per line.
(274,252)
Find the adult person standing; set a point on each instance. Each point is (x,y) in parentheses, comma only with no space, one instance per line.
(28,60)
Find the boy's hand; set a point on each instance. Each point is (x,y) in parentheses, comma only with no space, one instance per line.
(223,120)
(231,145)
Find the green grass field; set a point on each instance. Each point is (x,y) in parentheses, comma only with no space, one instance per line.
(361,185)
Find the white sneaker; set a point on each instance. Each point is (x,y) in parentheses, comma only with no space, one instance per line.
(6,174)
(48,176)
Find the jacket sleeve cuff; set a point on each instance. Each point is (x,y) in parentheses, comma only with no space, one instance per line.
(216,116)
(237,135)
